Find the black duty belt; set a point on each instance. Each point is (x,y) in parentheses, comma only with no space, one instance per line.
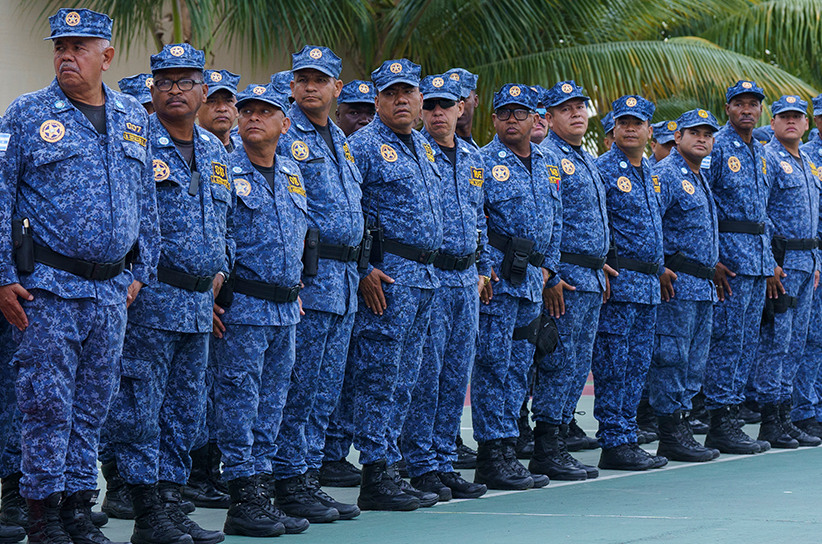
(678,263)
(79,267)
(585,261)
(800,244)
(266,291)
(624,263)
(501,243)
(412,253)
(743,227)
(183,280)
(338,252)
(444,261)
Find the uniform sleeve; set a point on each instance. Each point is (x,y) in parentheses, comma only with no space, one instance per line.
(484,267)
(10,171)
(715,171)
(553,255)
(230,243)
(144,266)
(485,256)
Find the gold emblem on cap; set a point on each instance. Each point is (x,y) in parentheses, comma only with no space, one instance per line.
(624,184)
(790,100)
(177,51)
(702,113)
(299,150)
(216,77)
(688,187)
(72,18)
(734,164)
(388,153)
(786,167)
(259,89)
(746,85)
(363,88)
(395,68)
(568,167)
(514,91)
(671,125)
(149,82)
(316,53)
(161,170)
(437,82)
(631,102)
(242,187)
(455,76)
(52,131)
(566,88)
(500,172)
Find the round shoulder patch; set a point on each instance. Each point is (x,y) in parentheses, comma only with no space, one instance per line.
(388,153)
(500,172)
(177,51)
(624,184)
(568,167)
(299,150)
(161,170)
(216,77)
(688,187)
(786,167)
(242,186)
(52,131)
(734,164)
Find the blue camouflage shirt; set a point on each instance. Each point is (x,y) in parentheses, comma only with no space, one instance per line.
(689,222)
(402,195)
(463,216)
(793,206)
(87,196)
(584,215)
(813,149)
(268,226)
(740,186)
(193,230)
(636,226)
(522,204)
(332,185)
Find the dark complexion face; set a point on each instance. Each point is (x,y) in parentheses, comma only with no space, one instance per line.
(352,116)
(744,111)
(512,132)
(218,114)
(174,103)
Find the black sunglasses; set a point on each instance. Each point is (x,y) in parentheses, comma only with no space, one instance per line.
(444,103)
(503,114)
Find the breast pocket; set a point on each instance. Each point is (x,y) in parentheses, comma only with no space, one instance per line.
(222,200)
(694,212)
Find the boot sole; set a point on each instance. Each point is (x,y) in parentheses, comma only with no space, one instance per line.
(219,537)
(116,513)
(526,484)
(561,476)
(708,456)
(327,518)
(181,540)
(475,495)
(348,482)
(278,530)
(381,507)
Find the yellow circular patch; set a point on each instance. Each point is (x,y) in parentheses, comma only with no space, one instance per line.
(568,167)
(672,125)
(566,88)
(258,90)
(177,51)
(161,170)
(73,18)
(746,85)
(455,76)
(790,100)
(315,53)
(624,184)
(514,91)
(363,88)
(216,77)
(734,164)
(52,131)
(243,187)
(500,172)
(786,167)
(437,82)
(703,114)
(149,82)
(299,150)
(688,187)
(631,102)
(388,153)
(395,68)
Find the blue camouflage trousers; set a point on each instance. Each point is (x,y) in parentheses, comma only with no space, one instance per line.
(433,422)
(622,355)
(156,415)
(339,435)
(10,415)
(806,385)
(499,379)
(683,337)
(316,381)
(734,342)
(782,342)
(561,376)
(387,357)
(66,375)
(253,366)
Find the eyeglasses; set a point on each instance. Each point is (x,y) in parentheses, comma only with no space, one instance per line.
(503,114)
(165,85)
(444,103)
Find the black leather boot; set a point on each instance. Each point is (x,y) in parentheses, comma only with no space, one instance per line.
(771,429)
(540,480)
(151,522)
(296,500)
(426,499)
(646,421)
(339,474)
(430,482)
(466,457)
(550,456)
(13,508)
(117,501)
(525,441)
(590,472)
(624,457)
(676,443)
(460,488)
(346,511)
(495,472)
(44,524)
(170,495)
(804,439)
(200,489)
(725,436)
(247,514)
(75,514)
(293,525)
(379,491)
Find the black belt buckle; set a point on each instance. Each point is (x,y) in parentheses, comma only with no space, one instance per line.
(654,270)
(203,283)
(293,293)
(428,257)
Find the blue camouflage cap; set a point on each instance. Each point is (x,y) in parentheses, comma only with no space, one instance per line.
(813,134)
(745,86)
(541,91)
(178,55)
(265,93)
(633,105)
(817,105)
(396,71)
(319,58)
(697,118)
(607,122)
(515,93)
(357,92)
(221,79)
(80,23)
(467,80)
(138,86)
(562,92)
(789,102)
(664,131)
(282,82)
(440,86)
(763,134)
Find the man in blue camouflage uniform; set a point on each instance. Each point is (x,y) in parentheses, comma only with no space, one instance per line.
(158,410)
(355,106)
(428,439)
(139,86)
(662,141)
(576,292)
(219,112)
(622,349)
(256,318)
(77,184)
(683,328)
(402,204)
(468,93)
(329,298)
(524,225)
(740,186)
(807,410)
(607,123)
(793,211)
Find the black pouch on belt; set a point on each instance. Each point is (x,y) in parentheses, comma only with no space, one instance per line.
(515,261)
